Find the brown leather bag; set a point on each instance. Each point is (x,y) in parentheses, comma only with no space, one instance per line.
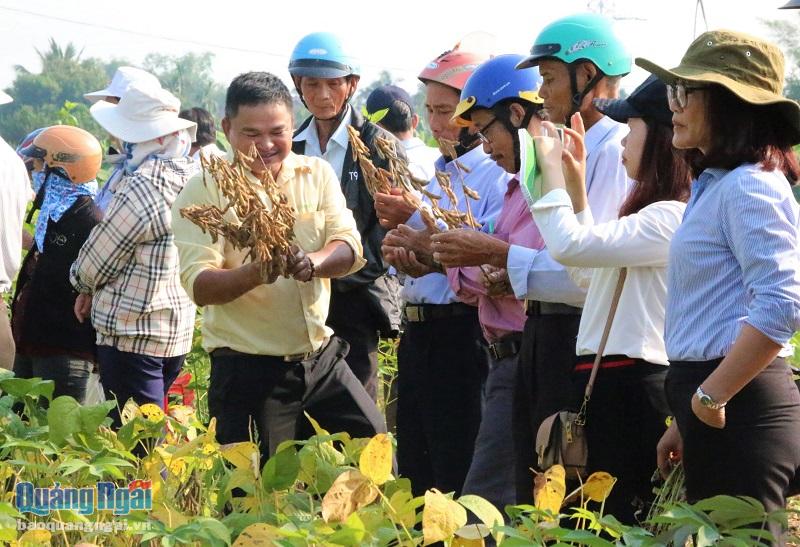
(561,438)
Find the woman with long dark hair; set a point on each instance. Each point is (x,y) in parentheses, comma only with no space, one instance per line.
(733,285)
(625,415)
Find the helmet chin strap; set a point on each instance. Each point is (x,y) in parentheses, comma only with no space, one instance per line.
(505,119)
(578,96)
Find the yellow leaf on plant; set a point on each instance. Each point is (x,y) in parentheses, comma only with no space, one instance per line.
(183,414)
(376,459)
(244,455)
(152,466)
(598,486)
(35,538)
(464,542)
(349,492)
(441,517)
(470,535)
(151,412)
(171,517)
(129,411)
(549,489)
(257,534)
(403,509)
(315,424)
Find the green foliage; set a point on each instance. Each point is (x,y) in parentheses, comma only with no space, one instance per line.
(190,78)
(327,490)
(40,99)
(787,35)
(55,95)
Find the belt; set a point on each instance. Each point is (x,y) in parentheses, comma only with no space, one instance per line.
(228,352)
(507,346)
(535,307)
(416,313)
(606,363)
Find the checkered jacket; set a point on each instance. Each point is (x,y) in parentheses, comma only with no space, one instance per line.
(130,264)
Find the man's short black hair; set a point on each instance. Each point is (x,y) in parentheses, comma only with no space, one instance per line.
(252,88)
(398,119)
(206,128)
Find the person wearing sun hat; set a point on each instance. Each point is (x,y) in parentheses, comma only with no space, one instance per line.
(733,283)
(127,271)
(124,78)
(15,193)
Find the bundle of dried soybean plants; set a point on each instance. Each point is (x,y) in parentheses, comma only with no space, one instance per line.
(448,148)
(399,175)
(266,231)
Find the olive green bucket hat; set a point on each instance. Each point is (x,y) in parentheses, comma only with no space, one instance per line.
(751,68)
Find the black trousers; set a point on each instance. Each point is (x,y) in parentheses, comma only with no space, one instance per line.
(352,319)
(543,386)
(441,366)
(757,453)
(269,395)
(625,420)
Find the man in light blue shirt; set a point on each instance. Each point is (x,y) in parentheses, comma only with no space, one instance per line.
(442,358)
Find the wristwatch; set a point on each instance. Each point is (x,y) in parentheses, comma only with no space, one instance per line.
(707,401)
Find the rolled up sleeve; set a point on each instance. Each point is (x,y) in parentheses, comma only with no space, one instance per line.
(761,225)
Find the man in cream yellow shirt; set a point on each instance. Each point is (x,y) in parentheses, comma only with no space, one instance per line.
(272,356)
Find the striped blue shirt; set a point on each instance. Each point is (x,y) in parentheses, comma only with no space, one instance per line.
(733,260)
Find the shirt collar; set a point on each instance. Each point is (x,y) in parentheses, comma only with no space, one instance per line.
(712,174)
(413,142)
(596,134)
(340,136)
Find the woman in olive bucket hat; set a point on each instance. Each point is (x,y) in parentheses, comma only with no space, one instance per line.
(733,283)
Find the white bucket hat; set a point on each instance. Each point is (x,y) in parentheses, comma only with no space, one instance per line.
(143,114)
(124,78)
(5,97)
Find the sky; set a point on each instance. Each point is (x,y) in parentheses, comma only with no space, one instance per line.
(400,36)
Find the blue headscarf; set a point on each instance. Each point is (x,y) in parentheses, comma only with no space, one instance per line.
(60,194)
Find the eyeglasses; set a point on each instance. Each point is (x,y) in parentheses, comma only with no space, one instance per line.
(678,95)
(482,133)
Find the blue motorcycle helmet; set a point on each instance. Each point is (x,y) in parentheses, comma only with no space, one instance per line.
(322,55)
(493,86)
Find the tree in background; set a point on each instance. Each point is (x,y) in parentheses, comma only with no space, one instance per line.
(55,95)
(787,35)
(190,78)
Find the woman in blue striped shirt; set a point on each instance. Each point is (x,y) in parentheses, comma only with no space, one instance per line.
(733,289)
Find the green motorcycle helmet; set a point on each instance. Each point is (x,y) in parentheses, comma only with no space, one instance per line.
(578,38)
(584,37)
